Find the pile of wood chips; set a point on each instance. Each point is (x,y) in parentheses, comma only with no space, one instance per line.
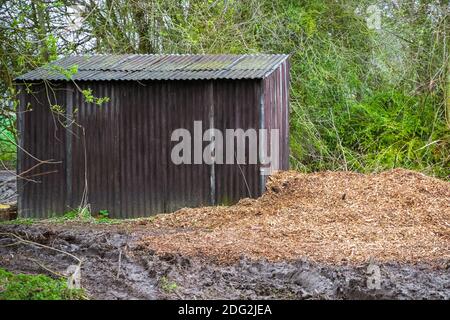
(331,217)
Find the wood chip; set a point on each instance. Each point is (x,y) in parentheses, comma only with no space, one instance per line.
(397,215)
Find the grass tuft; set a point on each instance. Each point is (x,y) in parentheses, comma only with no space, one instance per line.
(36,287)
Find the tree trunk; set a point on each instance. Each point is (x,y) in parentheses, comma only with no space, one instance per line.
(39,15)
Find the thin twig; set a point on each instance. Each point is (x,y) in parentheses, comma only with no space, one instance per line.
(29,242)
(47,268)
(120,263)
(243,176)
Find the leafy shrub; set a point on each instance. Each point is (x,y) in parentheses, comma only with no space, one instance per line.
(7,147)
(35,287)
(391,129)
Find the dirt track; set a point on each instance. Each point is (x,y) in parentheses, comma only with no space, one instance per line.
(302,240)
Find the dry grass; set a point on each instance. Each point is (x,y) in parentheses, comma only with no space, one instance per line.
(334,217)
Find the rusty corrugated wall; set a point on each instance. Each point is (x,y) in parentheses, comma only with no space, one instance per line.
(129,172)
(41,153)
(118,154)
(274,112)
(236,105)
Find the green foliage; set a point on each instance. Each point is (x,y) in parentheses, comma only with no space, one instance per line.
(104,213)
(103,217)
(361,98)
(74,216)
(85,216)
(68,73)
(391,129)
(35,287)
(82,215)
(7,140)
(20,221)
(51,44)
(167,285)
(56,108)
(87,93)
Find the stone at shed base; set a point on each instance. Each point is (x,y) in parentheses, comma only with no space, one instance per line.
(8,212)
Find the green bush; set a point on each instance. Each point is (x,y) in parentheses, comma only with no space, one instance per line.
(35,287)
(7,147)
(362,98)
(391,129)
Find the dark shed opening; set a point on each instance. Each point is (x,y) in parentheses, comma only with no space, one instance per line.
(115,154)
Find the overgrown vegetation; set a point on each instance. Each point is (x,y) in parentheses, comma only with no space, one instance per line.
(21,221)
(370,79)
(35,287)
(7,138)
(79,216)
(82,215)
(167,285)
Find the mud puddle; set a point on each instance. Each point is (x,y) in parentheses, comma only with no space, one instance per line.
(115,267)
(106,270)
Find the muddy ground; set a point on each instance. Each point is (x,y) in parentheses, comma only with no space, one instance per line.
(115,267)
(328,235)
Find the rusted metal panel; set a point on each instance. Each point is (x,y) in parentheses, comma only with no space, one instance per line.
(188,102)
(127,143)
(236,105)
(276,109)
(41,152)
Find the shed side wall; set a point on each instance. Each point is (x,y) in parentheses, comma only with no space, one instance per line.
(276,112)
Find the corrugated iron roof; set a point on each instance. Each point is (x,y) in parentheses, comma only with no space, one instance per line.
(159,67)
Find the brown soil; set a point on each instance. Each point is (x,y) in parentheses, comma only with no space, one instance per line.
(333,217)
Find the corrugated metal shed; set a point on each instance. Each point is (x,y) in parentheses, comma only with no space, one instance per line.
(117,156)
(159,67)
